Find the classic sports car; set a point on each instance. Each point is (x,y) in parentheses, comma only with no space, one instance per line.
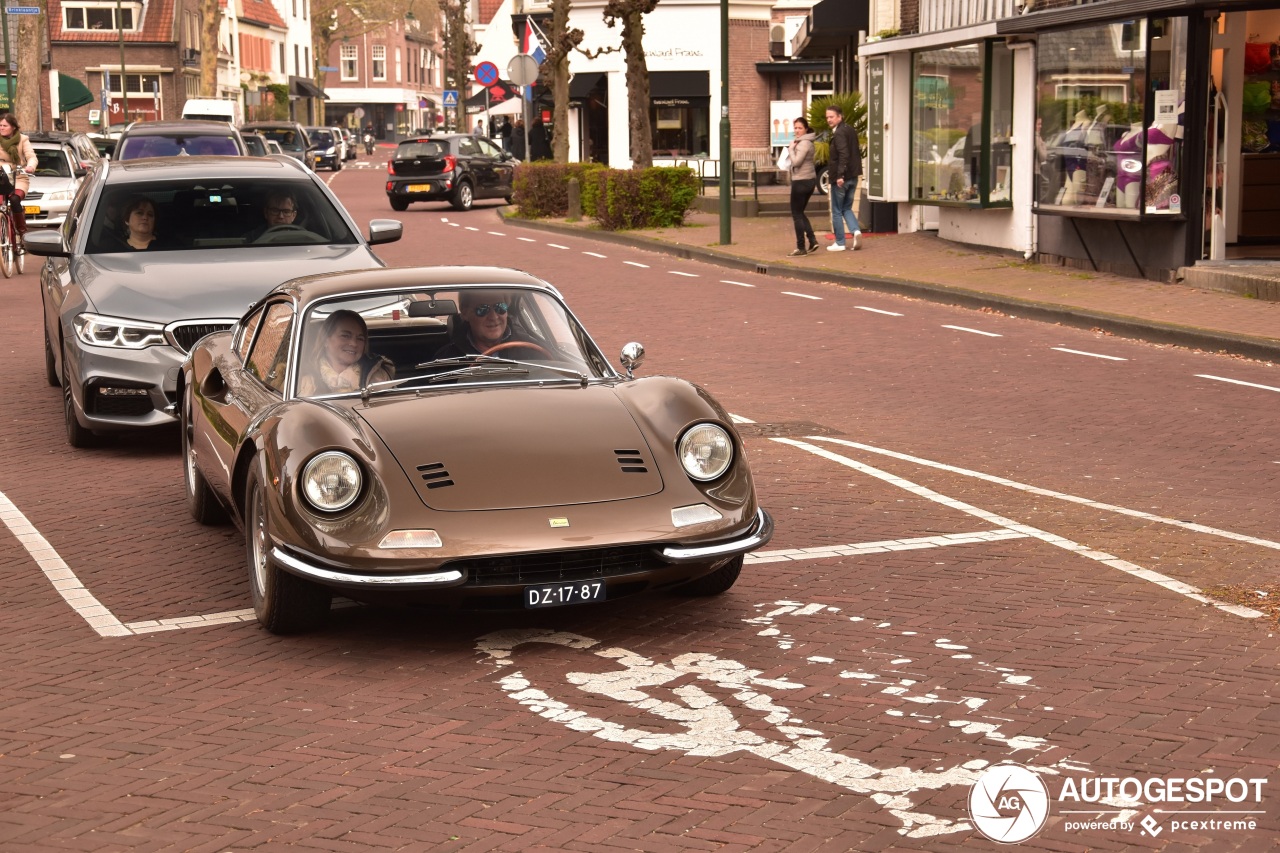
(453,435)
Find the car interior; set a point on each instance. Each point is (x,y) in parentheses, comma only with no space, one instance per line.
(52,163)
(220,214)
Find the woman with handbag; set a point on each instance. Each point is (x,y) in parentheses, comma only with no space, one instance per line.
(804,179)
(16,149)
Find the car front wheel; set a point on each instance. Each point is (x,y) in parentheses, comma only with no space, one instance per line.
(717,582)
(77,436)
(824,182)
(283,603)
(463,196)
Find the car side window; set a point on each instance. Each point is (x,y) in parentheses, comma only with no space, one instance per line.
(269,354)
(488,148)
(247,328)
(467,146)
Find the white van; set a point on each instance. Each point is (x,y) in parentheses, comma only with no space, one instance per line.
(212,109)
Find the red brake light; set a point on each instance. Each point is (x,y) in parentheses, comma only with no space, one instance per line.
(391,167)
(450,162)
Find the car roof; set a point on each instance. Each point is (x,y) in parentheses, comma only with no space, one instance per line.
(190,127)
(269,124)
(205,167)
(319,287)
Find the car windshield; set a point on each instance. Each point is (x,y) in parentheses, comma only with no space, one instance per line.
(401,342)
(222,213)
(255,146)
(52,163)
(410,150)
(289,140)
(135,147)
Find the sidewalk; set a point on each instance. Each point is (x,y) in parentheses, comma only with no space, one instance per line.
(922,265)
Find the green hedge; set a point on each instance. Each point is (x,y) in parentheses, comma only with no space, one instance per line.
(542,189)
(658,197)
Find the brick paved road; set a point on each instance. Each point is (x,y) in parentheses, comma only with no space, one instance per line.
(836,700)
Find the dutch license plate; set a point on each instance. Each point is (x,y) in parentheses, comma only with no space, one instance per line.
(31,209)
(557,594)
(418,188)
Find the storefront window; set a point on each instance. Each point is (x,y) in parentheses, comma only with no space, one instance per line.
(681,126)
(1109,118)
(961,118)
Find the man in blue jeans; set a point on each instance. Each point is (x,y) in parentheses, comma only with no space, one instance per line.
(843,170)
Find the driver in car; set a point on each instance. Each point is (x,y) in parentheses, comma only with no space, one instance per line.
(487,326)
(281,209)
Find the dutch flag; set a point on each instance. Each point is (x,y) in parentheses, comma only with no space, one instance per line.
(532,44)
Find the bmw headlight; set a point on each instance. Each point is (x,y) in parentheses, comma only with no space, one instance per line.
(331,481)
(100,331)
(705,451)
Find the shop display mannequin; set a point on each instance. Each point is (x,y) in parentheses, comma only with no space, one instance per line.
(1129,165)
(1096,144)
(1074,164)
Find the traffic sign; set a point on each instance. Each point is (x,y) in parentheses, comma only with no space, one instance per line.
(328,68)
(522,69)
(486,73)
(449,97)
(22,10)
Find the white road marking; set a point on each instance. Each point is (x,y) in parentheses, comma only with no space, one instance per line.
(1090,354)
(801,295)
(739,283)
(63,579)
(595,254)
(739,419)
(557,246)
(1049,493)
(685,274)
(150,626)
(497,233)
(973,331)
(527,239)
(877,311)
(456,224)
(636,264)
(862,548)
(1237,382)
(1164,581)
(470,228)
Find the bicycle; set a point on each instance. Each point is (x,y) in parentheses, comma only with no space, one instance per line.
(12,253)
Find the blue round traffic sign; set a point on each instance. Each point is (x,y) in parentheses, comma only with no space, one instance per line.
(486,73)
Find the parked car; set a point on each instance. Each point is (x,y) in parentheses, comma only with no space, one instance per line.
(118,322)
(535,478)
(341,135)
(352,145)
(457,168)
(86,152)
(255,144)
(328,147)
(54,182)
(105,145)
(182,137)
(289,135)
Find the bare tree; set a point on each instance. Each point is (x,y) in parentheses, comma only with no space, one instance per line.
(26,97)
(210,24)
(459,47)
(556,67)
(631,13)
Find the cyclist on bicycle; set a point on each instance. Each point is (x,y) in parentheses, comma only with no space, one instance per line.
(15,148)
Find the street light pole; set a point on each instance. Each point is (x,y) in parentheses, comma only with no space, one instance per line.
(726,156)
(124,81)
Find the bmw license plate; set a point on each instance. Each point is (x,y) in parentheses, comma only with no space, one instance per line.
(557,594)
(31,209)
(418,188)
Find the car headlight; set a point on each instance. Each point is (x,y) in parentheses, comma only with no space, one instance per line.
(101,331)
(331,481)
(60,195)
(705,451)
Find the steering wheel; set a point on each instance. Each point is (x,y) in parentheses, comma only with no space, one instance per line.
(513,344)
(276,230)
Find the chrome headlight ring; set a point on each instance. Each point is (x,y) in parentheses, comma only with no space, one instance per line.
(331,481)
(705,451)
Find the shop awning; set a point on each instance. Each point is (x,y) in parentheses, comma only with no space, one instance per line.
(679,84)
(498,93)
(582,84)
(301,87)
(72,93)
(830,26)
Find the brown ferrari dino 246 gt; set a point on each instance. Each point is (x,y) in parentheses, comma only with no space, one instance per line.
(452,435)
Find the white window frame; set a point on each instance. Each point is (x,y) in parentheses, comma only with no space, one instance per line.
(134,9)
(349,62)
(143,79)
(378,61)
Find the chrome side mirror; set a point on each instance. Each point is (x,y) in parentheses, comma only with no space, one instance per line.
(632,357)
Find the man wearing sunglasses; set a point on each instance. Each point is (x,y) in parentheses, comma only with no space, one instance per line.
(484,314)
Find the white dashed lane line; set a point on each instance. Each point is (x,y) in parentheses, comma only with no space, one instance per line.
(878,311)
(636,264)
(739,283)
(557,246)
(595,254)
(469,228)
(801,295)
(972,331)
(685,274)
(497,233)
(1236,382)
(527,239)
(1090,354)
(454,224)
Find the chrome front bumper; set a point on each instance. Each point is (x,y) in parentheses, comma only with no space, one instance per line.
(760,533)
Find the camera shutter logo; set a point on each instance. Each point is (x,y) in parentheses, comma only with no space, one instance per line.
(1009,803)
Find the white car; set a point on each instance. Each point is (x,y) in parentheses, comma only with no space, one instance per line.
(53,184)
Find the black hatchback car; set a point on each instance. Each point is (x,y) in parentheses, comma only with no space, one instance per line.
(456,168)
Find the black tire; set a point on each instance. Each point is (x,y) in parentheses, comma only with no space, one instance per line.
(77,436)
(715,583)
(337,163)
(201,501)
(463,196)
(50,365)
(400,204)
(21,258)
(283,603)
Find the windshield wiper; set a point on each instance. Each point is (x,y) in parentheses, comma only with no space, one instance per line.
(511,369)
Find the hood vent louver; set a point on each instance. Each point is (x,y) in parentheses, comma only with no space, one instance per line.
(631,461)
(435,475)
